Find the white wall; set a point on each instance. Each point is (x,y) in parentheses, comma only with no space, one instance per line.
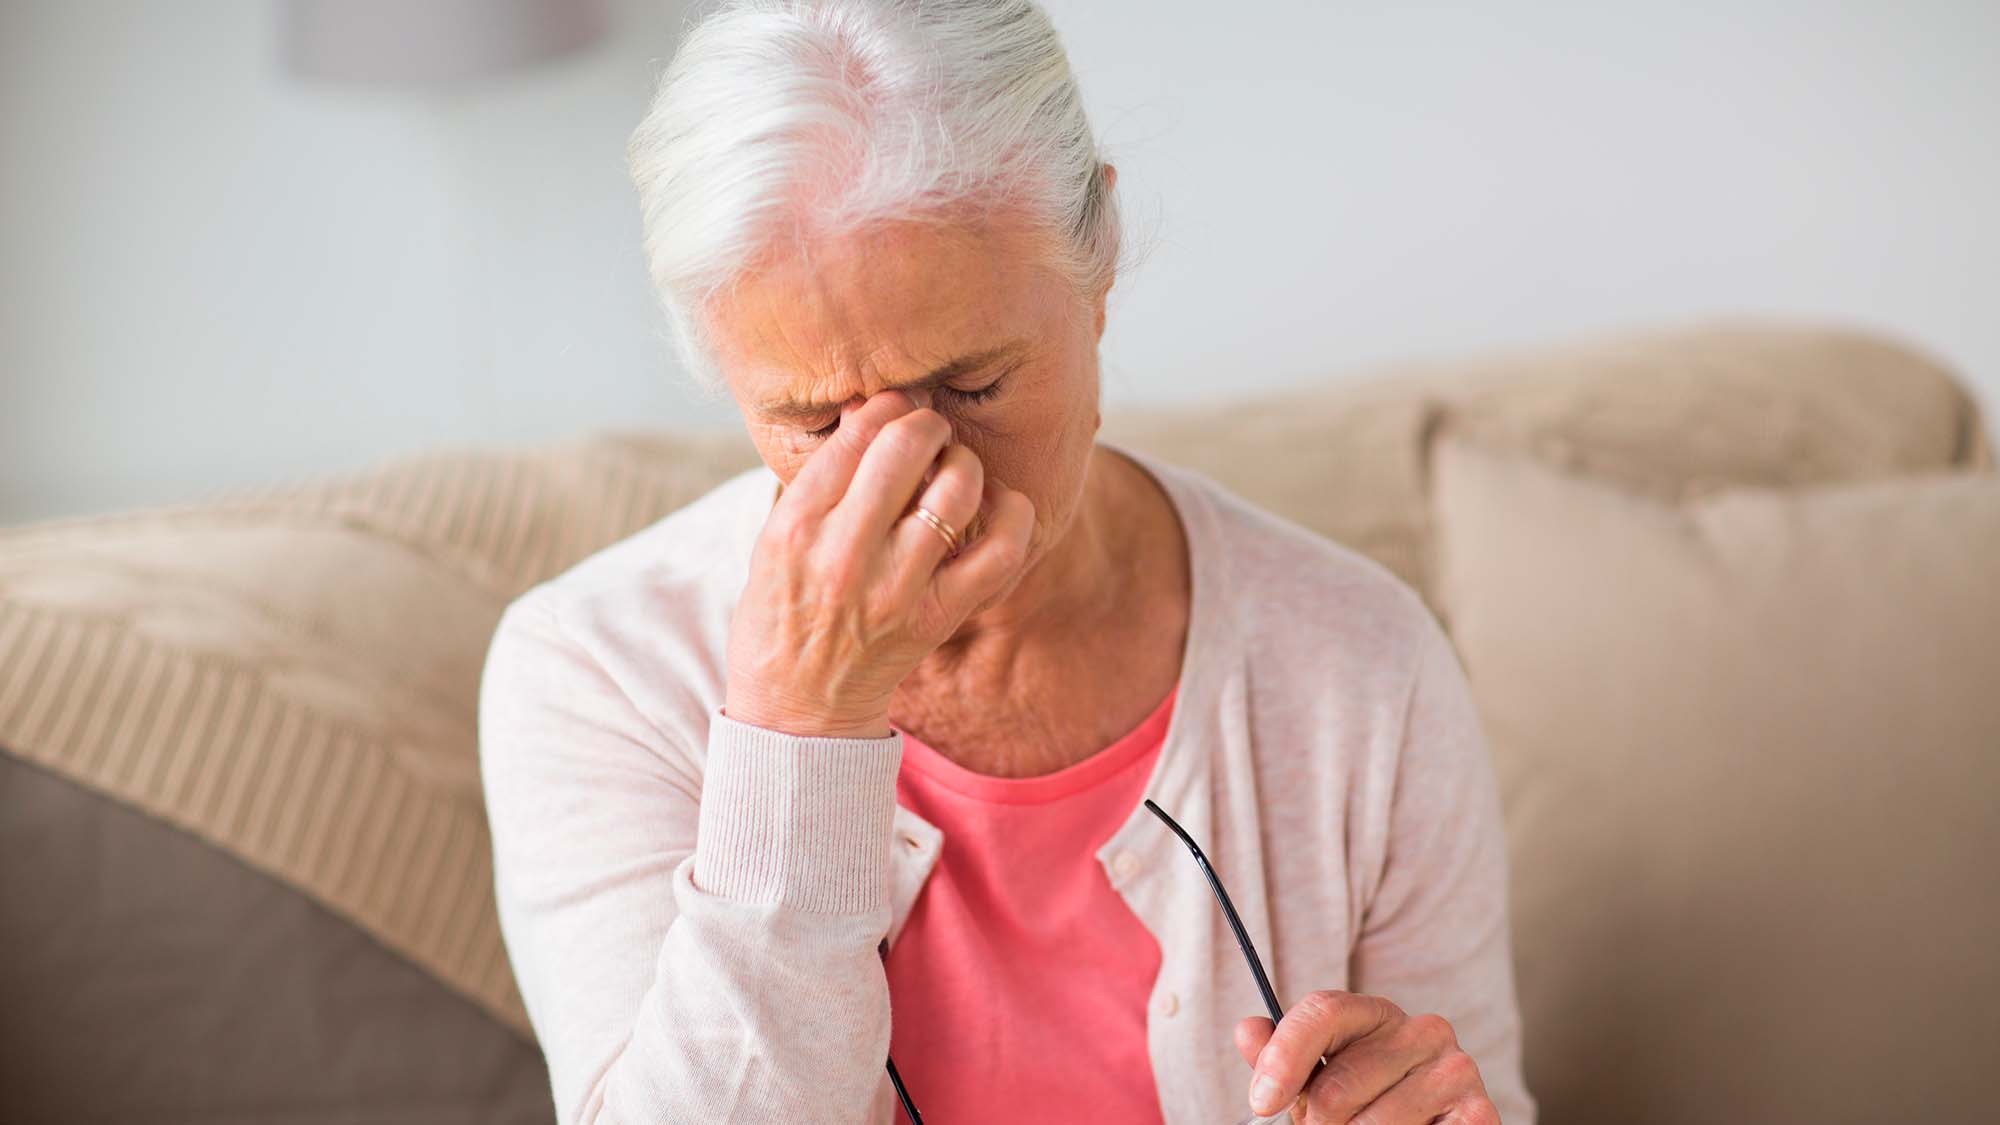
(212,275)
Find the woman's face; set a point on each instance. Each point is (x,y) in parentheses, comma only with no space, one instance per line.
(898,303)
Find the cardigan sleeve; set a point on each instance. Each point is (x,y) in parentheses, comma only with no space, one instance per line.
(687,950)
(1435,937)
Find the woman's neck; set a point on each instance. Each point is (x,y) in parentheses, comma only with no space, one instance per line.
(1055,680)
(1082,574)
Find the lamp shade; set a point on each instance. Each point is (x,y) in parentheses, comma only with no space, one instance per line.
(430,42)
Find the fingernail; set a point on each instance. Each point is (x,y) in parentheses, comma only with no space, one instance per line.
(1264,1094)
(909,394)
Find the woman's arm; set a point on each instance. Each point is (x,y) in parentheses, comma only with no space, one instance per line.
(1435,936)
(688,949)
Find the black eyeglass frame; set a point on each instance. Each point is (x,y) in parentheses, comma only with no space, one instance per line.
(1243,942)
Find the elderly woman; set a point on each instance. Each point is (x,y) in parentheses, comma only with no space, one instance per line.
(819,800)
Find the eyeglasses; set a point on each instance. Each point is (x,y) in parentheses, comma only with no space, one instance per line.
(1242,942)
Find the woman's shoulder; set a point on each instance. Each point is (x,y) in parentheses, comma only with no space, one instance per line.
(650,612)
(1332,642)
(1297,592)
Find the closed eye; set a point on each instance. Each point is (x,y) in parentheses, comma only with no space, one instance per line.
(981,394)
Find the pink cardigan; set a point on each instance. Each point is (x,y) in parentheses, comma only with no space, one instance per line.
(693,905)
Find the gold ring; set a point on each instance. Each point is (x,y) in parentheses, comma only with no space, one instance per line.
(941,527)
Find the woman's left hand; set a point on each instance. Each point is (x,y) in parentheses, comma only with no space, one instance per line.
(1383,1066)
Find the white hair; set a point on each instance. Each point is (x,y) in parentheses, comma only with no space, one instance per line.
(781,120)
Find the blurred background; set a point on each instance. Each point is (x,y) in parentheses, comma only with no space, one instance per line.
(252,240)
(1654,347)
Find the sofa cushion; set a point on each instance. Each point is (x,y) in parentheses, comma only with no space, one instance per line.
(1749,747)
(148,977)
(1672,411)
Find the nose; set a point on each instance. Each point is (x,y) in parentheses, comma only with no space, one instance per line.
(922,396)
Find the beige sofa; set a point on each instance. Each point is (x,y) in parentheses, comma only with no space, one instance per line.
(1728,593)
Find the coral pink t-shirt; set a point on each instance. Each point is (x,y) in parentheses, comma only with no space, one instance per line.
(1018,985)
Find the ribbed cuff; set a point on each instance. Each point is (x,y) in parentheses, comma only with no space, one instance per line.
(798,821)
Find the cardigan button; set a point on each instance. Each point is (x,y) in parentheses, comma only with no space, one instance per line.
(1169,1004)
(1125,864)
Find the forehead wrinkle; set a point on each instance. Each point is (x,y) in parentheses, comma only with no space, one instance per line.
(842,320)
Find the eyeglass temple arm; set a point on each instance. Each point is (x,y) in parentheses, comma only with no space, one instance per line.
(902,1095)
(895,1079)
(1228,911)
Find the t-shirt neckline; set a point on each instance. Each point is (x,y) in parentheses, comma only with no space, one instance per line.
(932,766)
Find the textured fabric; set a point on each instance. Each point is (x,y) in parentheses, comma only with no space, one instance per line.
(1749,748)
(1016,923)
(693,905)
(291,674)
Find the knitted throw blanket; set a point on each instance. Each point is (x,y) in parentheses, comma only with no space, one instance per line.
(292,674)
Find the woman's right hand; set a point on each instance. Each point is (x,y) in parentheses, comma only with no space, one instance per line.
(845,596)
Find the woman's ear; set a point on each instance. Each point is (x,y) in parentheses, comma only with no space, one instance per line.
(1110,181)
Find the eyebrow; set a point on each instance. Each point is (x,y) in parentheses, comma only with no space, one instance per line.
(795,410)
